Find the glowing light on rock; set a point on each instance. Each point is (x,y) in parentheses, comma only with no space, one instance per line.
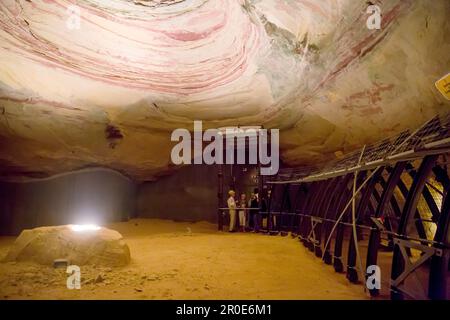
(84,227)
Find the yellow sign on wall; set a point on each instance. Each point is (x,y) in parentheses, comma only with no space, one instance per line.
(443,85)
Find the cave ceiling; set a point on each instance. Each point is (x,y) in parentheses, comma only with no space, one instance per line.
(104,82)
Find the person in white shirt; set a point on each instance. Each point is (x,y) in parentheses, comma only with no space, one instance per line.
(242,212)
(232,209)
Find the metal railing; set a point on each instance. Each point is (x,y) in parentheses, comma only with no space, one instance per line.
(432,137)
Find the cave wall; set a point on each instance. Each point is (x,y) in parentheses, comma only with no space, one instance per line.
(88,196)
(190,194)
(102,195)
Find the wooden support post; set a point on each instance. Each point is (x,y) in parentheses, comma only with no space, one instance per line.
(336,208)
(439,272)
(374,239)
(352,274)
(398,264)
(330,194)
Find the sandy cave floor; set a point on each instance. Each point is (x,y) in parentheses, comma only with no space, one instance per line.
(169,262)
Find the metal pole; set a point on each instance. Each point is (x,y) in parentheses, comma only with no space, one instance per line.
(355,235)
(347,205)
(220,213)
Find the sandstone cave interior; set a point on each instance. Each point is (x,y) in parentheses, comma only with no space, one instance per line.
(130,130)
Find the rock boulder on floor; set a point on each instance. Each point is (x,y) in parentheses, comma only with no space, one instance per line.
(102,247)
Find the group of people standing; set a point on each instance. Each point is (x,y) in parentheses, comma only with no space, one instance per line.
(244,214)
